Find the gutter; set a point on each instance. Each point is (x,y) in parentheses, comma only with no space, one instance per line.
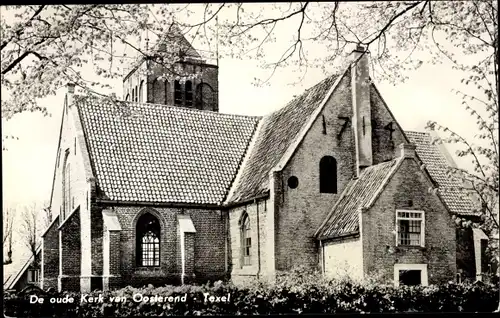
(159,204)
(247,201)
(339,237)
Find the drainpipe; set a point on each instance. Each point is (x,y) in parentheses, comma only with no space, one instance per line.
(226,232)
(258,238)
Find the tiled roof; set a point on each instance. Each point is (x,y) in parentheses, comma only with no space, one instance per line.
(13,272)
(159,153)
(437,165)
(277,132)
(344,217)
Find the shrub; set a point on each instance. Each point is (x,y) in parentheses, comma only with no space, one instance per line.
(306,294)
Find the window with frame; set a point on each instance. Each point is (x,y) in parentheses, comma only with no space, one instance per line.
(410,275)
(33,276)
(148,241)
(410,228)
(246,241)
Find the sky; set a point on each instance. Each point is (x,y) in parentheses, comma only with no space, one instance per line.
(28,162)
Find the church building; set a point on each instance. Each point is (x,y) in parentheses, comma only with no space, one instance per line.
(163,188)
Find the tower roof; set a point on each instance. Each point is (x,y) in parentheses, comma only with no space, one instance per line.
(174,42)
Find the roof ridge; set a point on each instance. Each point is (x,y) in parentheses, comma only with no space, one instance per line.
(180,108)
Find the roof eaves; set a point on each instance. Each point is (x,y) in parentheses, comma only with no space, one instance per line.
(247,200)
(305,129)
(333,237)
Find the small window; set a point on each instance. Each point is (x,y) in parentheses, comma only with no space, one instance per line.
(189,93)
(246,241)
(133,94)
(410,228)
(177,93)
(33,276)
(411,277)
(328,175)
(410,274)
(293,182)
(136,95)
(127,98)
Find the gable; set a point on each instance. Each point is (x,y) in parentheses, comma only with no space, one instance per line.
(159,153)
(386,131)
(276,134)
(71,149)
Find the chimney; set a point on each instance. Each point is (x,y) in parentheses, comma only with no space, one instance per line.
(361,121)
(406,151)
(70,94)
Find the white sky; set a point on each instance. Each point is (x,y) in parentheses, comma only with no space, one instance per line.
(28,163)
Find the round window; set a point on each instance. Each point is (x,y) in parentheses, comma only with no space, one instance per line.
(293,182)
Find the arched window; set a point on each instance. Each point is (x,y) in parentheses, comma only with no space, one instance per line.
(205,97)
(177,93)
(189,93)
(141,92)
(160,91)
(246,240)
(66,189)
(136,95)
(328,175)
(128,97)
(133,94)
(148,240)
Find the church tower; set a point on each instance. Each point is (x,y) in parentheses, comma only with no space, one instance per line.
(175,75)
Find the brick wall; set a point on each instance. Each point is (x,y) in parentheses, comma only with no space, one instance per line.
(383,145)
(51,257)
(379,229)
(257,213)
(71,253)
(301,210)
(96,230)
(190,261)
(205,73)
(209,243)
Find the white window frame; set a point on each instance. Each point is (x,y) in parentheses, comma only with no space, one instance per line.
(37,276)
(422,226)
(424,278)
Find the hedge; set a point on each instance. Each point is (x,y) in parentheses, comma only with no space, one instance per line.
(283,297)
